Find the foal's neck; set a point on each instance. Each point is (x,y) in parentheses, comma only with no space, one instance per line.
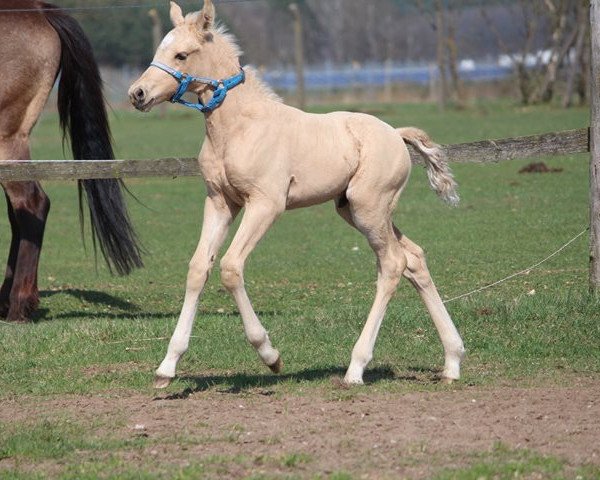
(223,62)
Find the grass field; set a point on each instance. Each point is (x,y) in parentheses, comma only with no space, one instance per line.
(311,281)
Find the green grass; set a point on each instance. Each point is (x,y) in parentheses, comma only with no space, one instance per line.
(503,463)
(65,449)
(308,281)
(310,285)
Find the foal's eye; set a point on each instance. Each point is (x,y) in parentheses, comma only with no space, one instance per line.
(181,56)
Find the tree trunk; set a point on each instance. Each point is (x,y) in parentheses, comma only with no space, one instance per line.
(576,63)
(452,48)
(441,54)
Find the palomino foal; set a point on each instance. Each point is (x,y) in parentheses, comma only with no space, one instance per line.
(266,157)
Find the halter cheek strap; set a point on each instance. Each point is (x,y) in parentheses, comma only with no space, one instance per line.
(221,87)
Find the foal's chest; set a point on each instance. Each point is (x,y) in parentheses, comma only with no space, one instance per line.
(217,177)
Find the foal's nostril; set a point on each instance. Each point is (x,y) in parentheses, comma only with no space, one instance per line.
(139,94)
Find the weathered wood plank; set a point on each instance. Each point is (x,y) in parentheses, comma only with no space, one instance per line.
(594,276)
(486,151)
(88,169)
(555,143)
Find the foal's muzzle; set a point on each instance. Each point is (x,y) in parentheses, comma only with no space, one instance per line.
(139,99)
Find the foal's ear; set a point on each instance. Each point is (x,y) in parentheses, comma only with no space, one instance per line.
(206,18)
(176,15)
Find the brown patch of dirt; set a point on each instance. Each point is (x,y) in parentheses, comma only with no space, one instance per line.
(95,370)
(371,435)
(539,167)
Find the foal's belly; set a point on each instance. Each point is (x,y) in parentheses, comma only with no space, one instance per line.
(315,182)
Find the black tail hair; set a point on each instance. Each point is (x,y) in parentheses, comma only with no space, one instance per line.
(82,112)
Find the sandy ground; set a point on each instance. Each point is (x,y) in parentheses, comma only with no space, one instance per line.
(371,435)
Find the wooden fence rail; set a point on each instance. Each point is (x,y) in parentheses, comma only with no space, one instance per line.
(486,151)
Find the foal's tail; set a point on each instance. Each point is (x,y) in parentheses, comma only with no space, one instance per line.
(440,177)
(83,115)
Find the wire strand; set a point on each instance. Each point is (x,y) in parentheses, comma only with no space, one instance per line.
(521,272)
(111,7)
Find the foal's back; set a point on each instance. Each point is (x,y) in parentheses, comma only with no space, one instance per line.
(323,153)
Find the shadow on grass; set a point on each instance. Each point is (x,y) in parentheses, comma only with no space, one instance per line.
(128,310)
(106,316)
(93,297)
(239,383)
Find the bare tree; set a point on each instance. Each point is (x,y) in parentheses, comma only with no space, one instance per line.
(530,17)
(579,63)
(452,54)
(563,37)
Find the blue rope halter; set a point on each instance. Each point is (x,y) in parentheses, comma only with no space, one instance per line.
(184,80)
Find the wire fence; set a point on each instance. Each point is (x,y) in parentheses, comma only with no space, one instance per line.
(111,8)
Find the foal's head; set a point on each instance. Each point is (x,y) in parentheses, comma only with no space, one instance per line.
(194,47)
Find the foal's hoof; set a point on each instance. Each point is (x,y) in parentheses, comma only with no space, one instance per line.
(448,380)
(161,382)
(277,367)
(351,381)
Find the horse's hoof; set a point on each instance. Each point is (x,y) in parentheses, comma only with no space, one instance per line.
(447,380)
(17,318)
(277,367)
(351,381)
(161,382)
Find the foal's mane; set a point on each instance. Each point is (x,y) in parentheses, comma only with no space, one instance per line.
(252,75)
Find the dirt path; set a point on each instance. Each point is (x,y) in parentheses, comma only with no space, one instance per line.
(370,435)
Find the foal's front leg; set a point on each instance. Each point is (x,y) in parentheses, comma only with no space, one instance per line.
(258,218)
(218,215)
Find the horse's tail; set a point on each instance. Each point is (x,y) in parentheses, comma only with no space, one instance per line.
(440,177)
(83,115)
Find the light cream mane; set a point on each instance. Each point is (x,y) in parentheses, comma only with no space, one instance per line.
(253,79)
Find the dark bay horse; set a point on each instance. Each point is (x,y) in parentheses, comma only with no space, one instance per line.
(37,42)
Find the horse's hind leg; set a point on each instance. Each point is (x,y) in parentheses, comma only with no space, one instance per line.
(391,262)
(418,274)
(12,261)
(28,207)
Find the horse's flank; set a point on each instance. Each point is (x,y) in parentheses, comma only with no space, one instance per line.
(36,42)
(28,77)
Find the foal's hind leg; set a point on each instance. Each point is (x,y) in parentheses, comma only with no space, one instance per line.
(28,208)
(418,274)
(391,262)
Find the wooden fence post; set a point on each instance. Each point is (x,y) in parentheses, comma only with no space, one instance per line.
(157,35)
(595,149)
(299,48)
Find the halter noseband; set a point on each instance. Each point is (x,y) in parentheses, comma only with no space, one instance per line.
(221,87)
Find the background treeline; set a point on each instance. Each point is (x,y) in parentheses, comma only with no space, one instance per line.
(546,40)
(337,31)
